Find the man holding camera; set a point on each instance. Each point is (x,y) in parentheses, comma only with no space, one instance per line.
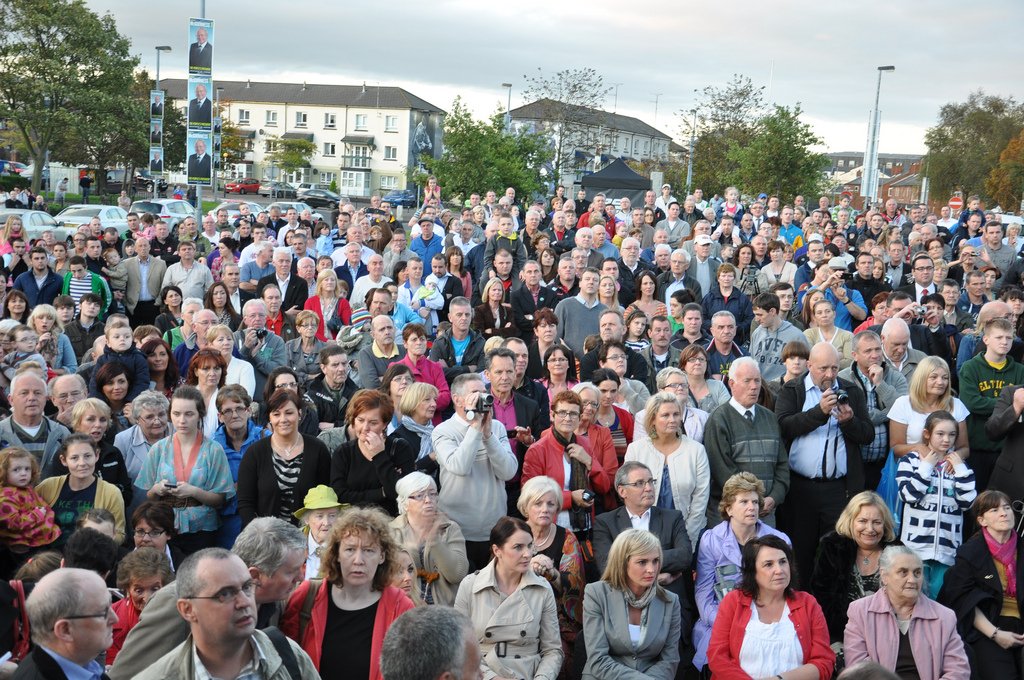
(824,421)
(261,348)
(476,460)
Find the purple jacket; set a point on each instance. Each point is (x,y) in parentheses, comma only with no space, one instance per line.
(873,634)
(718,548)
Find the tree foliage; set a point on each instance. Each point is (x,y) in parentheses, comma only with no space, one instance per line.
(727,116)
(965,144)
(1005,183)
(777,158)
(480,155)
(292,154)
(60,65)
(569,102)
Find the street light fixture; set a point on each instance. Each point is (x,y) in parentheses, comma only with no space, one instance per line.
(508,108)
(159,49)
(869,178)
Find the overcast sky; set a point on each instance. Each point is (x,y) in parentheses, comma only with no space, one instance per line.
(821,54)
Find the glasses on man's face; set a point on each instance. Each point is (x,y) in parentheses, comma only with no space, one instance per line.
(65,396)
(567,415)
(924,269)
(228,594)
(155,533)
(104,615)
(232,412)
(641,483)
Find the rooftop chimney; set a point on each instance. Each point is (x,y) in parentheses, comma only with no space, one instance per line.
(364,87)
(248,84)
(303,85)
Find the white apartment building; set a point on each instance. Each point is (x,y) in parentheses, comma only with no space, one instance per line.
(368,138)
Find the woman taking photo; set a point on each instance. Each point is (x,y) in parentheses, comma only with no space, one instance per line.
(240,371)
(163,370)
(631,623)
(846,567)
(766,628)
(748,276)
(417,407)
(647,287)
(277,471)
(557,557)
(903,630)
(206,372)
(779,270)
(52,341)
(705,392)
(493,317)
(317,515)
(929,392)
(435,543)
(331,308)
(556,371)
(824,330)
(718,561)
(170,309)
(286,378)
(454,261)
(189,472)
(355,604)
(984,588)
(423,369)
(304,351)
(112,381)
(218,301)
(618,421)
(364,470)
(545,329)
(679,463)
(513,610)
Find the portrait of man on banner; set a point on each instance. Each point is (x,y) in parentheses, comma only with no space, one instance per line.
(200,159)
(156,160)
(200,49)
(200,106)
(156,104)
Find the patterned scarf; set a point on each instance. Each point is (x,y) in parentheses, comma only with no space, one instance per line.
(579,518)
(1006,555)
(424,431)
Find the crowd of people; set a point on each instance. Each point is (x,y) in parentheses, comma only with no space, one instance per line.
(709,437)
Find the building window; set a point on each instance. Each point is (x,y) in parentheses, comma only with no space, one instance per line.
(647,146)
(271,145)
(329,149)
(360,121)
(636,146)
(243,117)
(326,178)
(388,182)
(390,123)
(300,119)
(330,121)
(272,118)
(250,145)
(352,180)
(391,153)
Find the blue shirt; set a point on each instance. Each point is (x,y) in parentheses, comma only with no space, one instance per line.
(844,319)
(459,347)
(234,457)
(252,271)
(91,671)
(427,249)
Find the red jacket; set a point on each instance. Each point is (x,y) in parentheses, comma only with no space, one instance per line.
(430,372)
(731,625)
(127,618)
(343,312)
(393,603)
(545,457)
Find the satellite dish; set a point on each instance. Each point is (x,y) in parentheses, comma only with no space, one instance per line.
(261,132)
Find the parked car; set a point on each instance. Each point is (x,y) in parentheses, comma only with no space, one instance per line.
(76,215)
(299,207)
(244,186)
(232,206)
(277,190)
(321,198)
(401,197)
(170,210)
(142,181)
(36,222)
(302,187)
(12,168)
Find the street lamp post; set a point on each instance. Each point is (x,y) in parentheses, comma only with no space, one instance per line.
(508,108)
(689,160)
(869,178)
(159,49)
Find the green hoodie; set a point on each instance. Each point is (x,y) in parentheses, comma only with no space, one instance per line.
(980,387)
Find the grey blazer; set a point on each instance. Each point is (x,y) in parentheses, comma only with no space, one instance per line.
(668,525)
(610,652)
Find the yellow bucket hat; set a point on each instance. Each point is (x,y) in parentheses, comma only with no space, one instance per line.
(320,497)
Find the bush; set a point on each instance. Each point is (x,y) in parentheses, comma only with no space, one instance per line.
(8,182)
(334,186)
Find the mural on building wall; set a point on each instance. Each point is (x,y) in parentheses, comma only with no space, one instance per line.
(424,136)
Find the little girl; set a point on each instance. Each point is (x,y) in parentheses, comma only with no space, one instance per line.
(937,488)
(636,331)
(26,521)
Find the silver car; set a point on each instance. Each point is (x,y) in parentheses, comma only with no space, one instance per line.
(232,206)
(36,222)
(170,210)
(299,207)
(75,216)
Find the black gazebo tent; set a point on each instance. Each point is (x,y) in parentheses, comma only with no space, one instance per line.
(617,180)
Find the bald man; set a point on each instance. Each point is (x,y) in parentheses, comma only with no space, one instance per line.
(824,421)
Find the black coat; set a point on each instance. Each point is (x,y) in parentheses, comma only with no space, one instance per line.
(535,365)
(636,367)
(41,666)
(296,294)
(523,309)
(258,491)
(1004,425)
(359,481)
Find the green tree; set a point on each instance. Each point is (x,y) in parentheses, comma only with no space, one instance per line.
(58,61)
(964,146)
(726,116)
(292,154)
(480,154)
(777,157)
(1005,184)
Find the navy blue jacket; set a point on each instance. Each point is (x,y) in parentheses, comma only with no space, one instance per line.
(39,295)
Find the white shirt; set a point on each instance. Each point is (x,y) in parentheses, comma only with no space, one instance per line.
(805,453)
(640,521)
(740,408)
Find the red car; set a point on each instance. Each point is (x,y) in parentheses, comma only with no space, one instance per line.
(243,186)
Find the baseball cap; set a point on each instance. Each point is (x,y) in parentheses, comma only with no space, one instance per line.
(837,263)
(815,237)
(761,197)
(426,220)
(703,240)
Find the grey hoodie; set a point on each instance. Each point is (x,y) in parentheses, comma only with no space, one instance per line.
(766,348)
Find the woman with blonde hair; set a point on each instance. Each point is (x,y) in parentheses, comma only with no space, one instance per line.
(330,306)
(304,351)
(92,417)
(824,329)
(493,317)
(240,371)
(417,407)
(53,344)
(608,293)
(930,391)
(631,623)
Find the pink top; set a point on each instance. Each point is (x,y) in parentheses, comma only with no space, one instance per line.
(430,372)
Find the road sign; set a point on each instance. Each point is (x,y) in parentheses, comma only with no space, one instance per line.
(956,203)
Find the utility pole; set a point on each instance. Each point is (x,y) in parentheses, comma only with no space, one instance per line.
(508,108)
(689,160)
(159,49)
(869,178)
(615,106)
(657,96)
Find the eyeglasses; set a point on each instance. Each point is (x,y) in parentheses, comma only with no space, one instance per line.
(68,395)
(567,415)
(676,386)
(591,404)
(924,269)
(105,615)
(558,360)
(615,357)
(237,411)
(640,484)
(286,386)
(697,360)
(155,533)
(423,496)
(228,594)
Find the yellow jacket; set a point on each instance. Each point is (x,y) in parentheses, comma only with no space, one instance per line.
(108,497)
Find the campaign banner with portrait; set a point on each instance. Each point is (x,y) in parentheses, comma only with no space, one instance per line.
(200,106)
(199,162)
(156,104)
(156,132)
(156,160)
(200,47)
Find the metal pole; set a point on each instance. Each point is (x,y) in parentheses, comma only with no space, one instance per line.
(213,138)
(199,189)
(871,171)
(508,108)
(689,161)
(156,180)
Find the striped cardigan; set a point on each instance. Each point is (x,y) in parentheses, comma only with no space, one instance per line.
(934,507)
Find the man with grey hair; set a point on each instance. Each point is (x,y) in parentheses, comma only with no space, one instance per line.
(476,460)
(431,643)
(374,278)
(261,348)
(72,623)
(743,436)
(293,290)
(216,596)
(274,552)
(584,241)
(677,278)
(202,321)
(259,266)
(896,349)
(66,391)
(28,428)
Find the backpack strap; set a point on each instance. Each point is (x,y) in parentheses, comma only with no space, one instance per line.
(22,641)
(306,613)
(285,651)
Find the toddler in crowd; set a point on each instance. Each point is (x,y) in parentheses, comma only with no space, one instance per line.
(116,272)
(937,488)
(120,347)
(25,349)
(26,521)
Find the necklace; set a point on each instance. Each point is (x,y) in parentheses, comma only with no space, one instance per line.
(287,452)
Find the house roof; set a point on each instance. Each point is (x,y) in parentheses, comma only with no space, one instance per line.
(538,111)
(364,96)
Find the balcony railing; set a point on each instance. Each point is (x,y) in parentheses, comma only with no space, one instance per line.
(357,162)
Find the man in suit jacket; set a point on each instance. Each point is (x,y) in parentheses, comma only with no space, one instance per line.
(200,109)
(200,53)
(156,109)
(450,286)
(143,311)
(63,642)
(294,290)
(156,164)
(638,512)
(200,164)
(530,297)
(155,135)
(353,268)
